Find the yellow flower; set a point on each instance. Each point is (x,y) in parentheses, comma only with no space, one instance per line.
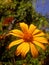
(28,38)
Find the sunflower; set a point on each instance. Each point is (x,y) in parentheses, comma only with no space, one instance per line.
(29,37)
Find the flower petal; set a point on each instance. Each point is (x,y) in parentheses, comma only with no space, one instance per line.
(40,45)
(22,49)
(18,50)
(25,49)
(24,27)
(36,32)
(40,34)
(40,39)
(15,43)
(32,28)
(16,33)
(34,51)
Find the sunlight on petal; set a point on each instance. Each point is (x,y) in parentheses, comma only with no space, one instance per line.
(15,43)
(19,49)
(39,44)
(34,50)
(24,27)
(25,49)
(36,32)
(16,33)
(40,39)
(32,28)
(40,34)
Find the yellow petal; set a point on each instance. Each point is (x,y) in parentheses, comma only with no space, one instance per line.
(18,50)
(15,43)
(34,51)
(16,33)
(32,28)
(22,49)
(40,45)
(25,49)
(24,27)
(36,32)
(40,39)
(40,34)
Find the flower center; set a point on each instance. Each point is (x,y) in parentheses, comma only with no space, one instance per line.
(27,37)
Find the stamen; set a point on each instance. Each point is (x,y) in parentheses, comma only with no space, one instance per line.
(27,37)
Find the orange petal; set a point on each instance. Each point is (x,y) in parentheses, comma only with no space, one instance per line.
(24,27)
(34,51)
(32,28)
(40,45)
(22,49)
(16,33)
(40,34)
(18,50)
(15,43)
(40,39)
(25,49)
(36,32)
